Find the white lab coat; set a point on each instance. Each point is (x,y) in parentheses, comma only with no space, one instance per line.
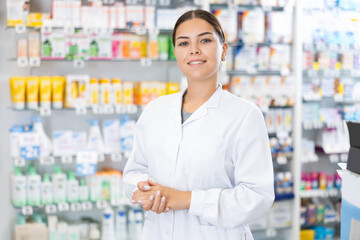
(221,153)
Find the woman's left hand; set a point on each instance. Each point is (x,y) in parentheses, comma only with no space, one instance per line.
(158,195)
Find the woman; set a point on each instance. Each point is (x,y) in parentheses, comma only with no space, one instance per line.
(201,162)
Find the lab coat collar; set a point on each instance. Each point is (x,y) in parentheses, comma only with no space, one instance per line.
(212,102)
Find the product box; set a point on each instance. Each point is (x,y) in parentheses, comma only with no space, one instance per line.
(135,16)
(31,231)
(17,12)
(280,214)
(227,18)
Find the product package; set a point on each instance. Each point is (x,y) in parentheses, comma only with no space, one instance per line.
(279,27)
(251,25)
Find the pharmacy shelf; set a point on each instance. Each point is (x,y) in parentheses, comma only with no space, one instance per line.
(330,47)
(265,8)
(327,224)
(144,61)
(320,193)
(283,228)
(331,73)
(258,44)
(255,73)
(73,207)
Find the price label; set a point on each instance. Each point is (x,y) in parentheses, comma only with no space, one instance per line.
(115,202)
(19,162)
(22,62)
(312,73)
(140,31)
(308,47)
(63,207)
(47,160)
(20,28)
(284,71)
(88,30)
(108,109)
(320,46)
(34,62)
(251,70)
(108,1)
(116,157)
(271,232)
(333,47)
(131,109)
(267,8)
(50,209)
(80,110)
(67,159)
(86,206)
(120,109)
(145,62)
(345,47)
(46,29)
(69,30)
(101,204)
(86,163)
(355,73)
(75,207)
(96,109)
(107,30)
(27,210)
(45,110)
(101,157)
(78,63)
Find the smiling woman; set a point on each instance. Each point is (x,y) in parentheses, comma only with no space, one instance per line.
(201,164)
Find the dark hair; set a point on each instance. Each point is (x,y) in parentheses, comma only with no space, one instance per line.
(204,15)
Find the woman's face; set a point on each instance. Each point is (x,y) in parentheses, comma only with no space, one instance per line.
(198,50)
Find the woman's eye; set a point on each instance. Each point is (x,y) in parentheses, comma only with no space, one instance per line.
(205,40)
(183,43)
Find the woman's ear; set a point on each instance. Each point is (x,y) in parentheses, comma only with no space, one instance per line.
(224,52)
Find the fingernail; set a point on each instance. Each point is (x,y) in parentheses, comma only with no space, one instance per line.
(163,199)
(147,187)
(140,201)
(167,209)
(158,192)
(152,197)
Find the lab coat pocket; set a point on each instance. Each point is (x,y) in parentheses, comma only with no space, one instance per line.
(206,156)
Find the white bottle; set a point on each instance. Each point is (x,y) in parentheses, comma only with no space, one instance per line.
(33,187)
(138,222)
(108,232)
(120,221)
(83,191)
(59,185)
(46,145)
(96,142)
(47,196)
(18,188)
(72,188)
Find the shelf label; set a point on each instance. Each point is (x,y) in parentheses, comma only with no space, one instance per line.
(308,47)
(46,29)
(63,207)
(120,109)
(27,210)
(86,206)
(131,109)
(145,62)
(284,71)
(45,110)
(86,163)
(344,47)
(267,8)
(96,109)
(75,207)
(320,46)
(333,47)
(355,72)
(78,63)
(115,202)
(34,62)
(69,30)
(66,159)
(140,31)
(80,110)
(49,160)
(116,157)
(101,204)
(50,209)
(22,61)
(312,73)
(271,232)
(19,162)
(20,28)
(107,109)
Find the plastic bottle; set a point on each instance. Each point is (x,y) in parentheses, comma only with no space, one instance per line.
(46,146)
(59,185)
(120,221)
(95,141)
(18,188)
(72,188)
(94,92)
(94,233)
(138,222)
(47,196)
(33,187)
(108,232)
(83,191)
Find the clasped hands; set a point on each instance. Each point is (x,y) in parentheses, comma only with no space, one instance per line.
(157,198)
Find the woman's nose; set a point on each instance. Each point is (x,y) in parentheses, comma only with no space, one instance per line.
(195,50)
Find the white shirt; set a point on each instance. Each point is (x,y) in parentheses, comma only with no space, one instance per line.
(221,153)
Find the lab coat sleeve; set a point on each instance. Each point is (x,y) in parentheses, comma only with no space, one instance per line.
(253,194)
(136,168)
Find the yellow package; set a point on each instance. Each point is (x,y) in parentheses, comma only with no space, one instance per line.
(117,91)
(58,87)
(71,93)
(94,91)
(172,88)
(307,235)
(35,20)
(105,89)
(32,92)
(45,91)
(17,89)
(161,89)
(128,93)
